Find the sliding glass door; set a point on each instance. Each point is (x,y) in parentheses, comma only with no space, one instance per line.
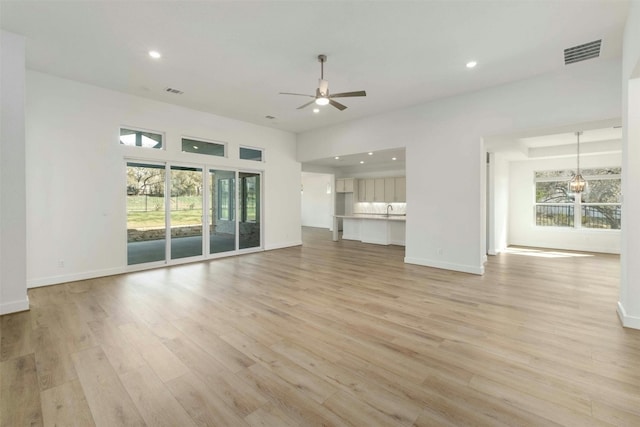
(146,222)
(222,211)
(161,228)
(186,212)
(249,207)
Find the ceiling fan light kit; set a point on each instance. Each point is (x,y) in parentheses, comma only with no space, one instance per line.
(322,96)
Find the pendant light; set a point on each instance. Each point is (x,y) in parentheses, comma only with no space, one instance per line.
(577,183)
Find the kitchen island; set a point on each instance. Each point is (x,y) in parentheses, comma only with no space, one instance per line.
(379,229)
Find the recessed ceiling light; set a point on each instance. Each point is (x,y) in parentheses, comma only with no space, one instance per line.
(471,64)
(316,110)
(155,54)
(337,157)
(393,158)
(361,162)
(371,154)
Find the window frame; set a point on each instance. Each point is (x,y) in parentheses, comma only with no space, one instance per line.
(262,153)
(230,199)
(224,144)
(577,203)
(163,139)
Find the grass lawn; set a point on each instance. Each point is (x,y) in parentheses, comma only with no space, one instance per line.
(155,219)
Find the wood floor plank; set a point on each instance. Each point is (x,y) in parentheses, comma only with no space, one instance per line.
(16,335)
(302,410)
(122,355)
(155,403)
(303,380)
(229,388)
(203,404)
(53,359)
(66,405)
(269,416)
(108,400)
(20,395)
(164,363)
(208,340)
(329,333)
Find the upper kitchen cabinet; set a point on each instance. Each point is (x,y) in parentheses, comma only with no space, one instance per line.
(382,190)
(400,190)
(390,189)
(345,185)
(369,190)
(378,190)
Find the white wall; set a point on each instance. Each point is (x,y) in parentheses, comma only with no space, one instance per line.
(445,164)
(629,303)
(522,228)
(317,204)
(498,204)
(76,203)
(13,288)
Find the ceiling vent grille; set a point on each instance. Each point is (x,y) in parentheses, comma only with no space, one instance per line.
(582,52)
(175,91)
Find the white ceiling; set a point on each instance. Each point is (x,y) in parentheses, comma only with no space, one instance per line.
(377,160)
(232,58)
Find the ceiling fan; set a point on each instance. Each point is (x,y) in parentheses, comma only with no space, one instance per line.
(322,96)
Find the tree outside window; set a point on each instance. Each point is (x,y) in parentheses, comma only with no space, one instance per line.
(598,207)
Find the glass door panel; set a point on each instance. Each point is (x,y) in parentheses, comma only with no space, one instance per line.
(146,230)
(186,212)
(222,215)
(249,209)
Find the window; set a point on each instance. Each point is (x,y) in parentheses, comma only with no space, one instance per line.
(249,199)
(203,147)
(254,154)
(139,138)
(597,208)
(225,199)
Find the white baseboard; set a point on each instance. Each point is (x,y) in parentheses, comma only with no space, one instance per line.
(64,278)
(350,237)
(445,265)
(397,242)
(14,306)
(283,245)
(627,321)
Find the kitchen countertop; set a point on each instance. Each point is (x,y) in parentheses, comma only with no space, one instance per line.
(391,217)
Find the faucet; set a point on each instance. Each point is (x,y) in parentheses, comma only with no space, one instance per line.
(389,206)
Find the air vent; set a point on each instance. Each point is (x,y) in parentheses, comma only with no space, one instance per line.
(582,52)
(175,91)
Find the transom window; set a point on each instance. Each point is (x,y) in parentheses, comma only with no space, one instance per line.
(598,207)
(204,147)
(140,138)
(254,154)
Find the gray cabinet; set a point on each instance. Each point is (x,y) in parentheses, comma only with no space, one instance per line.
(378,190)
(369,190)
(400,194)
(344,185)
(381,190)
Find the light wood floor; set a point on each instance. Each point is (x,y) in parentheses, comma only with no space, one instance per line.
(327,334)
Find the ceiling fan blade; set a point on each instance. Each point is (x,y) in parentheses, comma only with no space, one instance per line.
(337,105)
(297,94)
(305,105)
(349,94)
